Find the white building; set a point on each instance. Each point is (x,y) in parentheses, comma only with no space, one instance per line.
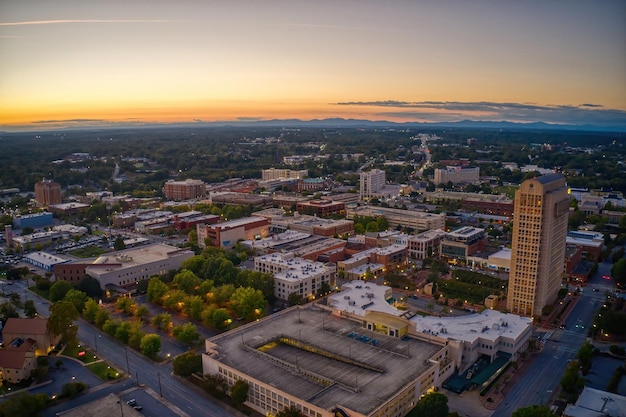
(372,182)
(295,275)
(456,175)
(275,174)
(489,333)
(126,267)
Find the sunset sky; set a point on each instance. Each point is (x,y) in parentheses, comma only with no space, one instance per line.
(93,62)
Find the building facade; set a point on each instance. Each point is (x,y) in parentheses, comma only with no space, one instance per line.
(538,246)
(47,192)
(457,175)
(295,275)
(321,208)
(274,174)
(418,221)
(227,234)
(184,190)
(460,243)
(371,182)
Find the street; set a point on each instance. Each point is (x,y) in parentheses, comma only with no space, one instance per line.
(142,370)
(544,374)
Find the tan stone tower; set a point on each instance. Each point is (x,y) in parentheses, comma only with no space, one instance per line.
(538,248)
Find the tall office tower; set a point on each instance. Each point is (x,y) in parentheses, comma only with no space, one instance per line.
(371,183)
(538,250)
(47,193)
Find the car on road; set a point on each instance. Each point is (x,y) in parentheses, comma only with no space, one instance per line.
(562,326)
(595,290)
(606,276)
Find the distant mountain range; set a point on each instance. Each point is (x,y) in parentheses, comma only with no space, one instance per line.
(355,123)
(325,123)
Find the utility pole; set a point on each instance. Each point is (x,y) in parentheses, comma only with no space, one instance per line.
(159,377)
(127,364)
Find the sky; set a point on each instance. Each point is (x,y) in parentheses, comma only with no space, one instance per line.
(94,62)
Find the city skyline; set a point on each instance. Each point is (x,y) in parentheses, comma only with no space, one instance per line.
(134,62)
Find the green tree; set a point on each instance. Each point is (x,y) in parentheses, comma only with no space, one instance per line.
(123,331)
(111,326)
(186,333)
(58,290)
(533,411)
(156,290)
(90,310)
(126,304)
(39,373)
(135,335)
(186,281)
(221,319)
(23,404)
(162,321)
(618,271)
(193,306)
(16,299)
(7,310)
(290,412)
(247,303)
(173,300)
(295,299)
(90,286)
(29,308)
(72,389)
(119,244)
(142,312)
(187,363)
(150,345)
(61,321)
(239,392)
(76,297)
(101,317)
(432,405)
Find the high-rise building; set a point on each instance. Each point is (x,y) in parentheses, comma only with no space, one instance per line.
(188,189)
(47,193)
(371,183)
(538,247)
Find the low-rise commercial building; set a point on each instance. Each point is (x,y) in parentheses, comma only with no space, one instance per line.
(295,275)
(123,269)
(227,234)
(460,243)
(188,189)
(326,364)
(417,221)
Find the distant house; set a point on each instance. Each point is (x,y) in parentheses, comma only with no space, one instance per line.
(17,360)
(25,339)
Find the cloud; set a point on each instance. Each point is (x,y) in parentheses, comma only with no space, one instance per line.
(250,119)
(440,111)
(64,21)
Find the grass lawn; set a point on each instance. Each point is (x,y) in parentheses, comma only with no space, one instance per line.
(104,371)
(88,252)
(74,351)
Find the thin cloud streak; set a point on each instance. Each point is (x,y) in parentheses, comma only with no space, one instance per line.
(490,111)
(65,21)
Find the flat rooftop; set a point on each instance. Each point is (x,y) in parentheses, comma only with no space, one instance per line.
(311,354)
(488,325)
(140,255)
